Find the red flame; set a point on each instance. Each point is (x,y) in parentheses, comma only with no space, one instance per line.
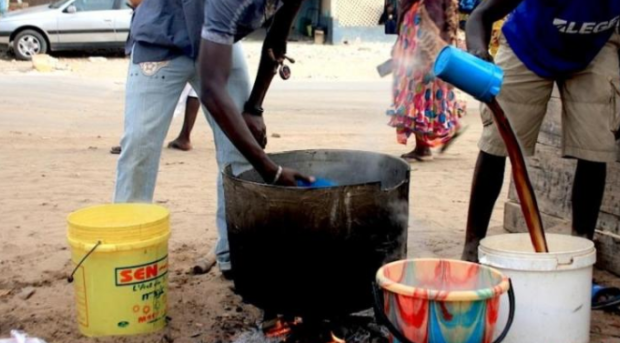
(282,328)
(336,339)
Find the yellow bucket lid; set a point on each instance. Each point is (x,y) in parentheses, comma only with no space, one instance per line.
(118,226)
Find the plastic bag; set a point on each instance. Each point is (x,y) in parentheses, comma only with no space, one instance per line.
(20,337)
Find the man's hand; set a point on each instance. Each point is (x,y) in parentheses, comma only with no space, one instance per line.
(289,178)
(275,47)
(481,53)
(480,25)
(256,124)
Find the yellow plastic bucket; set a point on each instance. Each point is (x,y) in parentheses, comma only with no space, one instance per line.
(121,288)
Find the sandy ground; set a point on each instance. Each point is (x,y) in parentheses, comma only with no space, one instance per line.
(55,133)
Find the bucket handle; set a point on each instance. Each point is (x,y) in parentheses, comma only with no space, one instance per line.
(70,278)
(385,321)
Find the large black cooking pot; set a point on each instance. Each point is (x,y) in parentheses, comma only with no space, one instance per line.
(315,252)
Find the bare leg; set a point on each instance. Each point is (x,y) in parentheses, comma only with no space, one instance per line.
(191,112)
(486,186)
(588,191)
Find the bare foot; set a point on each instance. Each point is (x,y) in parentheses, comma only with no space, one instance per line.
(180,144)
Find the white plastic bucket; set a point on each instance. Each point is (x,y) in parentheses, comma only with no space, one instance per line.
(553,290)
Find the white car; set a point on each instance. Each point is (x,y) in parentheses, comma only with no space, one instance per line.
(66,25)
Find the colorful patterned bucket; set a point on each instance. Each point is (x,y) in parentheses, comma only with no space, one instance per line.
(441,301)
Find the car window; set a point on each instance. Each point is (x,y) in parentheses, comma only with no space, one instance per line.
(93,5)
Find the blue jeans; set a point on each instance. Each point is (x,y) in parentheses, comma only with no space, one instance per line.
(152,92)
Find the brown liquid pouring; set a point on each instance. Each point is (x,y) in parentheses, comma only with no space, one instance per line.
(529,206)
(431,44)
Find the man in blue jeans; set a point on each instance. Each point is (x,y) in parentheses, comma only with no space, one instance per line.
(165,41)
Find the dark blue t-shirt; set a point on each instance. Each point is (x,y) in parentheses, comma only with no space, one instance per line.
(164,29)
(555,38)
(228,21)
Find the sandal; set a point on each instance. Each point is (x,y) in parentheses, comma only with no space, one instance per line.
(416,157)
(605,298)
(115,150)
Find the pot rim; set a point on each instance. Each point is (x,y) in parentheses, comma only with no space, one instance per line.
(441,295)
(227,171)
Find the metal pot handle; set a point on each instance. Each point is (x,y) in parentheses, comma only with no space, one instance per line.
(511,313)
(385,321)
(70,278)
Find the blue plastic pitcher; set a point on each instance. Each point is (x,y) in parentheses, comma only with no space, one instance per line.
(479,78)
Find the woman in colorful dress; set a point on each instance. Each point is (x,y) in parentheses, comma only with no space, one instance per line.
(424,106)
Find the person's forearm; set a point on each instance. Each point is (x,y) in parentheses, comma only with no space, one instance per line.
(480,24)
(266,71)
(215,64)
(223,110)
(478,32)
(275,40)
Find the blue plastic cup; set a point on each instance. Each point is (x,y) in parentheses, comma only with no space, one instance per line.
(479,78)
(318,183)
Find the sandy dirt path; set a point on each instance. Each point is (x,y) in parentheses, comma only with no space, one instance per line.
(55,133)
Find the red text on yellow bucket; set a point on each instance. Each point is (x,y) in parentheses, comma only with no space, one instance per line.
(133,275)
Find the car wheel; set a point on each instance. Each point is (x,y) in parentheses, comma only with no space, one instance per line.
(28,43)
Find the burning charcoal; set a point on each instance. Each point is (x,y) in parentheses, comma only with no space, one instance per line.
(255,336)
(351,329)
(379,329)
(268,324)
(360,336)
(370,313)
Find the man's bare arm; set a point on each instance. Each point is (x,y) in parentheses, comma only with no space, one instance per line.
(480,24)
(276,42)
(215,64)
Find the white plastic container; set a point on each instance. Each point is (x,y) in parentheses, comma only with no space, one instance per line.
(553,291)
